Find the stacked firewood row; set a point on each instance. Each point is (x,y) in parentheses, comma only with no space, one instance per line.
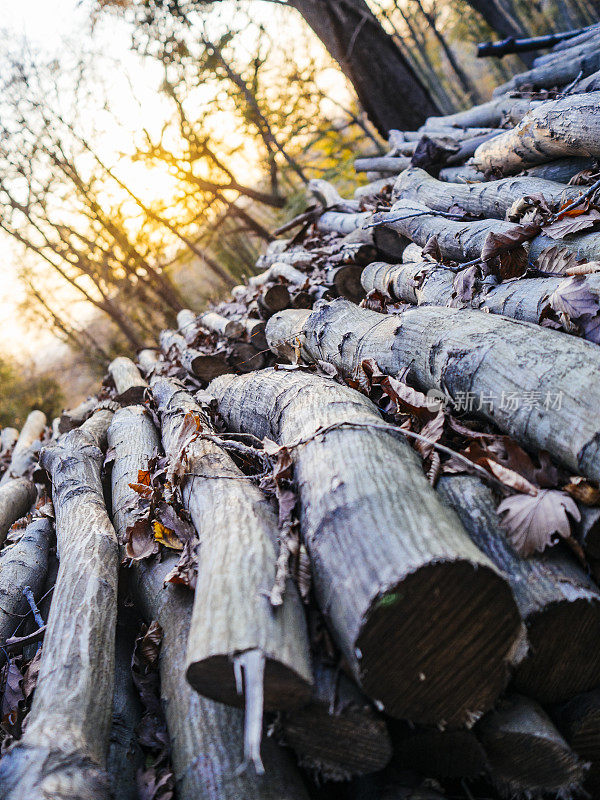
(356,506)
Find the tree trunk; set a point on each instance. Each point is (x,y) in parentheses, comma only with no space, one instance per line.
(16,498)
(386,86)
(492,199)
(23,564)
(500,20)
(63,751)
(128,382)
(527,755)
(475,357)
(338,734)
(238,532)
(391,533)
(339,222)
(391,165)
(22,458)
(557,600)
(566,127)
(206,737)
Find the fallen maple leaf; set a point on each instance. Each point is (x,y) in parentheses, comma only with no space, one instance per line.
(166,536)
(531,521)
(574,298)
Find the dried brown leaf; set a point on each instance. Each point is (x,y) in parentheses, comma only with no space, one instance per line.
(556,260)
(569,225)
(532,522)
(497,243)
(584,269)
(573,297)
(465,285)
(583,491)
(139,540)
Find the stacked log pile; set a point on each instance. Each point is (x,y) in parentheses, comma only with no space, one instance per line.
(356,506)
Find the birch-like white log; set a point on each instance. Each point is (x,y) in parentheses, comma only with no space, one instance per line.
(16,498)
(128,381)
(24,453)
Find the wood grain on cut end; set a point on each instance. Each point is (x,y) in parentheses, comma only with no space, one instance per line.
(446,664)
(565,656)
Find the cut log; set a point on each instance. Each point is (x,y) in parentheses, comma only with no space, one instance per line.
(526,753)
(16,498)
(492,199)
(197,726)
(475,357)
(436,753)
(74,417)
(272,299)
(339,222)
(463,241)
(63,751)
(511,45)
(237,570)
(391,165)
(561,170)
(345,282)
(412,253)
(206,737)
(373,189)
(277,270)
(128,381)
(255,331)
(187,323)
(558,128)
(558,601)
(589,84)
(338,734)
(588,531)
(148,360)
(558,72)
(389,531)
(492,114)
(244,357)
(229,328)
(22,564)
(328,196)
(125,756)
(428,284)
(8,439)
(579,722)
(281,251)
(203,365)
(24,452)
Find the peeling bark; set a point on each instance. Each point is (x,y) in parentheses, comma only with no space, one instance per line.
(63,751)
(470,355)
(388,530)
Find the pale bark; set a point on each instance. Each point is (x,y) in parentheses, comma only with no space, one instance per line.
(202,365)
(237,530)
(561,170)
(487,115)
(63,751)
(387,164)
(492,199)
(525,751)
(8,438)
(345,281)
(328,196)
(22,564)
(477,355)
(148,360)
(463,241)
(206,737)
(338,734)
(216,323)
(555,73)
(339,222)
(426,284)
(388,530)
(24,453)
(587,530)
(74,417)
(558,601)
(566,127)
(129,384)
(276,251)
(589,84)
(374,188)
(16,498)
(277,270)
